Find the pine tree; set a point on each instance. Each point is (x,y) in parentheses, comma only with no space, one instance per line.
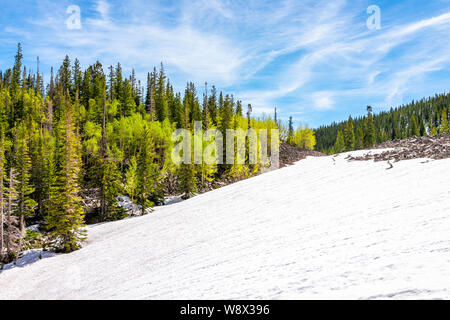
(191,103)
(179,116)
(444,122)
(118,83)
(171,106)
(149,184)
(290,131)
(433,131)
(414,129)
(77,77)
(340,144)
(161,107)
(187,181)
(359,144)
(212,105)
(276,117)
(128,103)
(17,69)
(108,177)
(24,188)
(65,75)
(422,129)
(207,122)
(349,135)
(50,188)
(239,108)
(225,122)
(39,87)
(67,223)
(150,97)
(249,114)
(370,133)
(111,187)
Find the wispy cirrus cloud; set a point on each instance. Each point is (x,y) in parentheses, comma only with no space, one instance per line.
(314,59)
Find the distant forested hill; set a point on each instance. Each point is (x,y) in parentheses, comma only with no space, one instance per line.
(427,116)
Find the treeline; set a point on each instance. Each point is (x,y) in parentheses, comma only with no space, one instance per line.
(419,118)
(91,135)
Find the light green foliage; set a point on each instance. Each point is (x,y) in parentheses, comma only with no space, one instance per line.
(91,137)
(304,138)
(131,178)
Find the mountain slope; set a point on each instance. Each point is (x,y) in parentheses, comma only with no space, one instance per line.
(322,228)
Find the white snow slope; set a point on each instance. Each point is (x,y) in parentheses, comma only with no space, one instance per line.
(318,229)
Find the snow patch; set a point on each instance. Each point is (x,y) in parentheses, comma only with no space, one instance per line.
(321,228)
(28,257)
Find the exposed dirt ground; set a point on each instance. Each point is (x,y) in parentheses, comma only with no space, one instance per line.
(290,154)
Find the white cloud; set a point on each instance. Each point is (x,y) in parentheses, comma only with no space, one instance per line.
(103,9)
(323,100)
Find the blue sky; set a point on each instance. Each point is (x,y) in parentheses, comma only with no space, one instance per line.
(316,61)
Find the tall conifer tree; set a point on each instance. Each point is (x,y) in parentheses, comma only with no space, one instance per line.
(66,223)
